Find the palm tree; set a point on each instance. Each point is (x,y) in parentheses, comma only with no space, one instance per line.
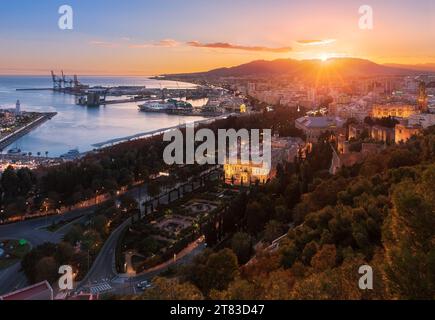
(38,153)
(46,154)
(30,154)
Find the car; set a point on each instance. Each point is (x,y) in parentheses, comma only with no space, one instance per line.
(144,285)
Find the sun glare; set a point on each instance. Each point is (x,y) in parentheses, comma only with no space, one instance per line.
(324,57)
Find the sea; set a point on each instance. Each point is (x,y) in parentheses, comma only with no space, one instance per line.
(79,127)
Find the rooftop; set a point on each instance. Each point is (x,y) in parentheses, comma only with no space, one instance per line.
(321,122)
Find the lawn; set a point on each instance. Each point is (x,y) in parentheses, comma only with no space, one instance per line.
(12,252)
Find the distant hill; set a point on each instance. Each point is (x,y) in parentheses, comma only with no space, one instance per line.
(315,69)
(429,67)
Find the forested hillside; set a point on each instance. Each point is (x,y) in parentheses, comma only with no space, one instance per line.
(380,213)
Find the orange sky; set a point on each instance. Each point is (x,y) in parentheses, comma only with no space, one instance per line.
(131,38)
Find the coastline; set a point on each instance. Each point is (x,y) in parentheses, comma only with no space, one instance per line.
(12,137)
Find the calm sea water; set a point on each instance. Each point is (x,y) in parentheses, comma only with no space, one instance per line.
(78,126)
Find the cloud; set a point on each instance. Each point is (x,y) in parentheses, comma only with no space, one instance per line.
(166,43)
(104,44)
(225,45)
(311,42)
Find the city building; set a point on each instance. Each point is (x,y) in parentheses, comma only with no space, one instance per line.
(424,120)
(18,108)
(282,149)
(400,110)
(38,291)
(348,159)
(383,134)
(404,131)
(313,127)
(356,130)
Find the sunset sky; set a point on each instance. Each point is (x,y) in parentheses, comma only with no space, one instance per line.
(134,37)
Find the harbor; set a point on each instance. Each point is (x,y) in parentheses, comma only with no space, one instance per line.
(93,115)
(79,127)
(21,123)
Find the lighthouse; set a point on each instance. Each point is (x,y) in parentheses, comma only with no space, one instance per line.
(18,108)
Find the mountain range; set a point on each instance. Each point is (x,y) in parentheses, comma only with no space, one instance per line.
(315,69)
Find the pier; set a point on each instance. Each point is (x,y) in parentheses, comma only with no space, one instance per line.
(10,138)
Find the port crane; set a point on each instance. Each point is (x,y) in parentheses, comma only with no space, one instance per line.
(57,82)
(71,85)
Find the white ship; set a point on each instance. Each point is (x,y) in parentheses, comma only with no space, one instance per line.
(156,106)
(170,106)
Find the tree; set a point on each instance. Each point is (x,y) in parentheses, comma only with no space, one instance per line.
(128,203)
(238,290)
(46,269)
(325,258)
(31,259)
(221,269)
(64,253)
(273,230)
(10,182)
(171,289)
(153,189)
(212,270)
(256,217)
(91,241)
(409,238)
(99,223)
(241,244)
(74,235)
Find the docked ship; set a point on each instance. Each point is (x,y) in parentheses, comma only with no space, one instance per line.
(155,106)
(170,106)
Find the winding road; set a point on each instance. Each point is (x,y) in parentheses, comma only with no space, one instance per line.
(103,270)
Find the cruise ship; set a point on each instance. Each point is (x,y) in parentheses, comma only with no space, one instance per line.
(170,106)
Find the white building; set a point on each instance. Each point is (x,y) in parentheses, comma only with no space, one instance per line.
(18,108)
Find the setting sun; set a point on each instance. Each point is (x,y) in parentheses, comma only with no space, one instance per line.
(324,56)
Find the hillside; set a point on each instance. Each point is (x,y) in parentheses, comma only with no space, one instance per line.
(315,69)
(379,213)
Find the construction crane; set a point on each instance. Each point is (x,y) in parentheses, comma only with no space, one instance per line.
(57,82)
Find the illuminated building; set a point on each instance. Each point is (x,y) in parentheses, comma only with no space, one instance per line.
(355,131)
(283,149)
(422,97)
(404,131)
(383,134)
(243,108)
(400,110)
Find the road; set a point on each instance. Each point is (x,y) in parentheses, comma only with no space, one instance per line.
(33,231)
(103,269)
(103,272)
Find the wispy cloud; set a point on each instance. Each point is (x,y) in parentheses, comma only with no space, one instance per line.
(315,42)
(104,44)
(166,43)
(225,45)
